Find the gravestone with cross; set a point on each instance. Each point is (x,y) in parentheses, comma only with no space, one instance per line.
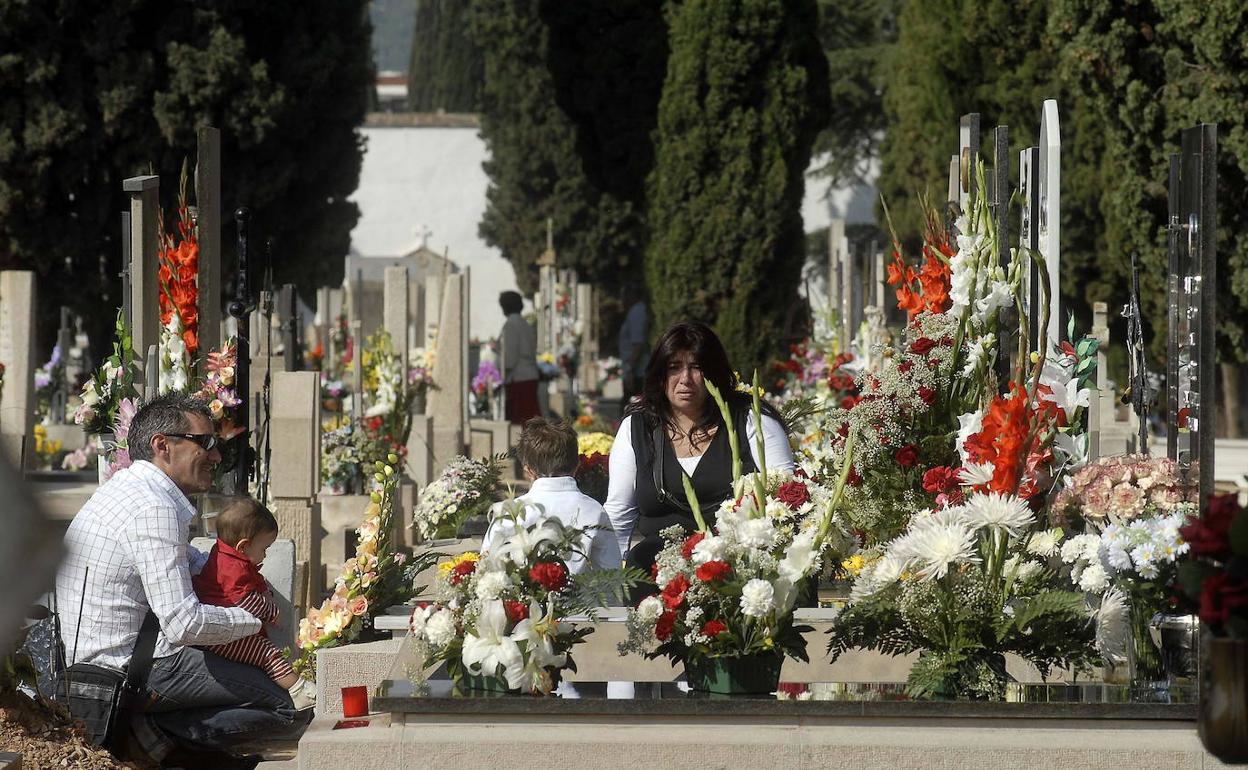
(1192,289)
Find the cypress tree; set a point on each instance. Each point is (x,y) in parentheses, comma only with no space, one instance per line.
(446,70)
(745,95)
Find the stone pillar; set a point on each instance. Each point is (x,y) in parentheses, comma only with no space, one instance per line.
(295,433)
(17,353)
(396,312)
(208,225)
(419,470)
(435,290)
(587,320)
(448,403)
(144,192)
(415,315)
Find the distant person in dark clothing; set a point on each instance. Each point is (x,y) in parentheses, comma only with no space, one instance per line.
(517,346)
(634,352)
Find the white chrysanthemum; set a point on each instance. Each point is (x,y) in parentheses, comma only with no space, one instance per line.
(1045,542)
(440,628)
(757,533)
(974,474)
(1116,557)
(1081,548)
(1094,578)
(1112,624)
(650,608)
(997,511)
(934,548)
(757,598)
(490,585)
(954,514)
(419,619)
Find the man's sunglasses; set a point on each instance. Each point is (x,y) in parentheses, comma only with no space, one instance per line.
(206,441)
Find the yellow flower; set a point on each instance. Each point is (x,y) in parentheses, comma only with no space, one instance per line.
(463,558)
(548,358)
(854,564)
(591,443)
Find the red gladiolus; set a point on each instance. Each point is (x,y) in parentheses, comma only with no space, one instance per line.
(551,575)
(516,611)
(922,345)
(713,571)
(663,628)
(794,494)
(714,628)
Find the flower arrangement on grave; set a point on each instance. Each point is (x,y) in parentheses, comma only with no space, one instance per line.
(420,370)
(485,384)
(372,580)
(608,370)
(47,378)
(465,488)
(386,394)
(333,391)
(80,459)
(178,258)
(497,618)
(727,594)
(1130,509)
(48,452)
(110,385)
(962,586)
(1212,577)
(219,389)
(342,461)
(547,366)
(588,418)
(118,450)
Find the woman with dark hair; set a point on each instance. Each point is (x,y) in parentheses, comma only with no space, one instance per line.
(675,429)
(517,347)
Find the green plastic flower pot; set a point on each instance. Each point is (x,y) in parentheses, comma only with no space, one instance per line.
(740,675)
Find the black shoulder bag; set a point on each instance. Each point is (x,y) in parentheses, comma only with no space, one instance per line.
(97,695)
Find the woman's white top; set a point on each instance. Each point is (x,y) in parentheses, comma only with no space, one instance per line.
(622,487)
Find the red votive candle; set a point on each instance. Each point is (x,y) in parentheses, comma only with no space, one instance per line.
(355,701)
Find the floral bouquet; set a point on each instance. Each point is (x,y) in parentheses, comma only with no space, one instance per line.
(497,619)
(111,384)
(963,585)
(369,582)
(484,385)
(333,390)
(219,389)
(465,488)
(1120,489)
(48,378)
(420,369)
(341,459)
(178,257)
(547,367)
(594,450)
(727,593)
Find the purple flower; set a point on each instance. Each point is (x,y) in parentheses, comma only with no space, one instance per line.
(488,377)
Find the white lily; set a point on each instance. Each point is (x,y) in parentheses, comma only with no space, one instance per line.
(490,647)
(537,632)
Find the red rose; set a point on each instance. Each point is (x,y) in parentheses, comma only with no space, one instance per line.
(1210,534)
(714,628)
(905,366)
(940,479)
(793,494)
(923,344)
(927,394)
(907,456)
(713,571)
(1220,595)
(691,541)
(853,479)
(841,382)
(673,593)
(551,575)
(516,611)
(461,571)
(663,628)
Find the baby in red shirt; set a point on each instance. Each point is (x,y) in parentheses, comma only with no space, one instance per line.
(231,578)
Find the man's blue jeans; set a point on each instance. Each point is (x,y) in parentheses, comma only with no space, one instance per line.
(203,701)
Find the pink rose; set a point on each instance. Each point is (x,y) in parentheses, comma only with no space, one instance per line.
(358,606)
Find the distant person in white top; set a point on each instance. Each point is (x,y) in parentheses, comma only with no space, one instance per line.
(517,347)
(675,429)
(548,452)
(127,553)
(633,349)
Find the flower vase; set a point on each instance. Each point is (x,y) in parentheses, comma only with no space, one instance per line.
(1145,669)
(1223,717)
(418,401)
(979,677)
(737,675)
(103,443)
(1178,639)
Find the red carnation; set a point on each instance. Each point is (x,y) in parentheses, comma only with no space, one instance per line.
(905,366)
(853,479)
(793,494)
(461,571)
(663,628)
(673,593)
(714,628)
(691,541)
(927,394)
(516,611)
(713,571)
(923,344)
(551,575)
(940,479)
(907,456)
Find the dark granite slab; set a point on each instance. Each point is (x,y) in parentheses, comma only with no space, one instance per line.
(884,700)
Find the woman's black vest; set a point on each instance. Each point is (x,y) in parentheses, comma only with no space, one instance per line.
(660,494)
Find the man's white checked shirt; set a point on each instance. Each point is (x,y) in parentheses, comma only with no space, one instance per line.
(132,535)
